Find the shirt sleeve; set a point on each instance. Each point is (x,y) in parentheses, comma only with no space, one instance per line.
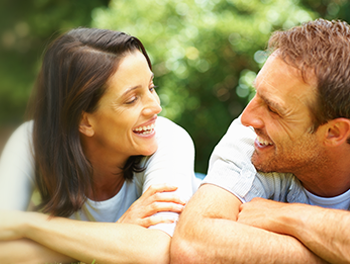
(172,163)
(17,170)
(230,165)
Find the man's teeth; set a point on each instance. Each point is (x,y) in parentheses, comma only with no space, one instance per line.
(145,129)
(263,142)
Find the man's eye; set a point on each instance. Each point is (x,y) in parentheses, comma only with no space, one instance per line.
(271,110)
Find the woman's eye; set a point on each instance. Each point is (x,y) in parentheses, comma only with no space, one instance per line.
(132,100)
(153,88)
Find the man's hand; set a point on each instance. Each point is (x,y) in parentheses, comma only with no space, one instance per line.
(323,231)
(265,214)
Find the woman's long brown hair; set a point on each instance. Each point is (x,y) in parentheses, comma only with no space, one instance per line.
(73,76)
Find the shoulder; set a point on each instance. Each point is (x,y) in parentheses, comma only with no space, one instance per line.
(166,125)
(24,130)
(21,137)
(170,133)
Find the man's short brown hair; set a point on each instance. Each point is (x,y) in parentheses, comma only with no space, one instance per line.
(322,47)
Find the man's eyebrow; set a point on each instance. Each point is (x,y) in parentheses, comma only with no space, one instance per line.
(275,105)
(135,87)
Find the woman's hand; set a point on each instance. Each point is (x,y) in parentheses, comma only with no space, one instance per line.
(11,223)
(157,198)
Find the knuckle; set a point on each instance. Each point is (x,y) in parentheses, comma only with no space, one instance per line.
(149,221)
(155,206)
(152,188)
(158,196)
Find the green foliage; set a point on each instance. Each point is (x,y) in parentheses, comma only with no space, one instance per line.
(205,53)
(25,29)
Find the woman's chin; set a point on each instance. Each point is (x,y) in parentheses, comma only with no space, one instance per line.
(150,150)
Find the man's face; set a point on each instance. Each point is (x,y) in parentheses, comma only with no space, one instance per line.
(281,117)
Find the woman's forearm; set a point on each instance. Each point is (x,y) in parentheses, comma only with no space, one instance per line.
(103,242)
(26,251)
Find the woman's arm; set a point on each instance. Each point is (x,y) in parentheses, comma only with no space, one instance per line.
(17,170)
(87,241)
(61,240)
(26,251)
(173,163)
(118,242)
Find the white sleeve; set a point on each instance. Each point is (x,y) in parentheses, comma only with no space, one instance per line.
(172,163)
(17,170)
(230,168)
(229,165)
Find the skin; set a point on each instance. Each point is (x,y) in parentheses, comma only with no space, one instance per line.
(265,231)
(280,115)
(301,221)
(108,137)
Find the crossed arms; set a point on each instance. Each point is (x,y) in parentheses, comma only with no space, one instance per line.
(216,228)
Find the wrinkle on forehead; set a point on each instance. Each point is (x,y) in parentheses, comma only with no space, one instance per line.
(274,75)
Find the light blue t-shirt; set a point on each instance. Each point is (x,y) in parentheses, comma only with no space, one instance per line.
(172,163)
(230,168)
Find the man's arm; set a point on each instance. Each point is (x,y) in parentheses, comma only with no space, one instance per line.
(324,231)
(208,233)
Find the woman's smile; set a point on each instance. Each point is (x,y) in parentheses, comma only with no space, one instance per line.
(146,129)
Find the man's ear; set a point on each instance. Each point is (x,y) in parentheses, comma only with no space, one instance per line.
(85,126)
(338,131)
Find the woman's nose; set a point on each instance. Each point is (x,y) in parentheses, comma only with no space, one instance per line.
(152,106)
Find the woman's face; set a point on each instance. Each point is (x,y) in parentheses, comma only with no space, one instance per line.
(124,121)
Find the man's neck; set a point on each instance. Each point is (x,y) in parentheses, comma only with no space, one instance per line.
(330,180)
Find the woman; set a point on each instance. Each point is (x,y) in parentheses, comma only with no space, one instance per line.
(100,154)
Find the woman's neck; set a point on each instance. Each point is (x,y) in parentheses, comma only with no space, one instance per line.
(107,182)
(108,176)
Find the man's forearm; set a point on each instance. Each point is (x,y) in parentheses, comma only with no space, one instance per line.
(225,241)
(324,231)
(210,234)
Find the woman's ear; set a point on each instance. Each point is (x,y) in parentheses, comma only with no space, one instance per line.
(85,126)
(338,132)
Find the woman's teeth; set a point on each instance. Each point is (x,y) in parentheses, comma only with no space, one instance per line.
(144,130)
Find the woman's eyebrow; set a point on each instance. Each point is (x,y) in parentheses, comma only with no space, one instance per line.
(135,87)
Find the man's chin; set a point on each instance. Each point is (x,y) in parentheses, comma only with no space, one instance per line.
(262,166)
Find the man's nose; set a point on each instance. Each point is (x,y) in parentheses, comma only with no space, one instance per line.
(251,115)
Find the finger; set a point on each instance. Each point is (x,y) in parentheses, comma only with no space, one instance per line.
(167,197)
(157,219)
(162,187)
(157,207)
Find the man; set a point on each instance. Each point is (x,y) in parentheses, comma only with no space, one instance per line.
(299,125)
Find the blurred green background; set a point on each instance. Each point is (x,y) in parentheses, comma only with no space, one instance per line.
(205,53)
